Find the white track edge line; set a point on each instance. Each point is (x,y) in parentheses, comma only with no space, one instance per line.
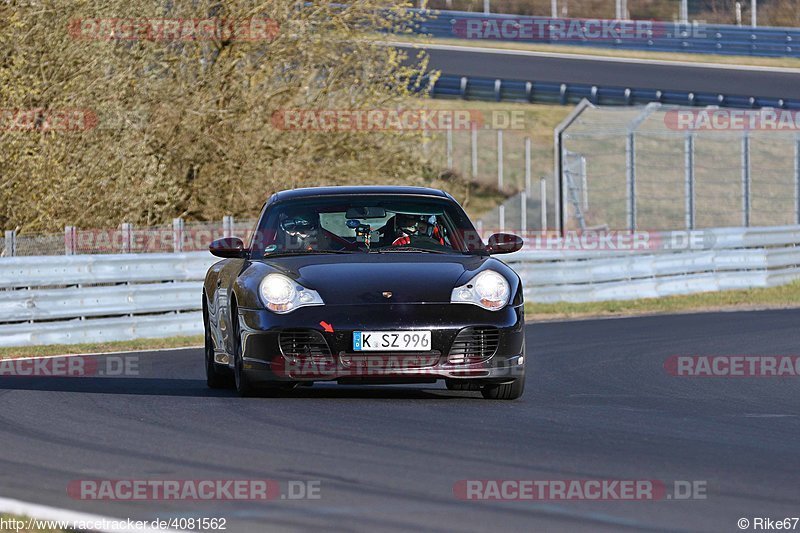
(45,512)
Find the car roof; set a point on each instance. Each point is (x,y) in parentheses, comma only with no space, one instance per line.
(309,192)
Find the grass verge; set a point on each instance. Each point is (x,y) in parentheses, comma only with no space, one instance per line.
(781,62)
(786,296)
(100,347)
(22,523)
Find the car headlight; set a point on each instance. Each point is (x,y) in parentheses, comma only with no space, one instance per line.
(488,289)
(281,294)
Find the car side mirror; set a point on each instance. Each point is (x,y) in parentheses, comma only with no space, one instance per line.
(504,243)
(229,247)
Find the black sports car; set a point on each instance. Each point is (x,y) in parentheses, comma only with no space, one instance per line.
(364,285)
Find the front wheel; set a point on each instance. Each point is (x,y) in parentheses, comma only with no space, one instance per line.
(217,376)
(243,384)
(508,391)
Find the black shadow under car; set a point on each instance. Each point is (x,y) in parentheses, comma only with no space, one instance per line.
(364,285)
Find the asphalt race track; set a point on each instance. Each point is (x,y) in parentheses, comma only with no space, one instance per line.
(598,405)
(639,74)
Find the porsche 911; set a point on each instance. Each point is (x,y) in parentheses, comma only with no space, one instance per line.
(364,285)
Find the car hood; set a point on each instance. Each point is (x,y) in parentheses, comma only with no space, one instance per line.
(363,278)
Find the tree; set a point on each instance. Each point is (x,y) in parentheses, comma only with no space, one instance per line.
(108,115)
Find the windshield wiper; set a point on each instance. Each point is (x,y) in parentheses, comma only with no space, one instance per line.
(406,249)
(285,253)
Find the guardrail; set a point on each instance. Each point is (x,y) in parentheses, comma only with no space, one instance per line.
(647,35)
(729,258)
(98,298)
(477,88)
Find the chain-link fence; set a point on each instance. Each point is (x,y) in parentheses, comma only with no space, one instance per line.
(126,238)
(505,160)
(663,167)
(713,11)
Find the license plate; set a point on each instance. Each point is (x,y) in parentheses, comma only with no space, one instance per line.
(391,341)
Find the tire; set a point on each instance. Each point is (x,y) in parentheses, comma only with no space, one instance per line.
(509,391)
(217,376)
(243,385)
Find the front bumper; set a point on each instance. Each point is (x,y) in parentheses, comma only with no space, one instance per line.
(264,360)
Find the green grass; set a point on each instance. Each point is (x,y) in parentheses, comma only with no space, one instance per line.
(100,347)
(5,517)
(786,296)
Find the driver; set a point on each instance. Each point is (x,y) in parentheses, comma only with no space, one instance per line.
(303,231)
(414,227)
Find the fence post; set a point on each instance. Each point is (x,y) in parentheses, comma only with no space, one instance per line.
(479,228)
(127,231)
(449,135)
(528,167)
(554,9)
(523,212)
(797,179)
(689,179)
(584,184)
(69,240)
(745,180)
(754,13)
(474,142)
(630,178)
(177,235)
(500,159)
(543,200)
(502,217)
(227,226)
(11,242)
(486,7)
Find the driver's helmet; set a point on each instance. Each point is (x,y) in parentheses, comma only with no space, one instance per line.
(301,225)
(412,224)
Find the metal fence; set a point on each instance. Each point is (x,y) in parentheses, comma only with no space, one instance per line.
(658,36)
(731,258)
(548,92)
(178,237)
(662,167)
(100,298)
(502,160)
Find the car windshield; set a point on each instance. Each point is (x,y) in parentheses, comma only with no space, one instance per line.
(365,224)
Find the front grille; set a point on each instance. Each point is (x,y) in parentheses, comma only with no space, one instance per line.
(390,360)
(305,344)
(474,345)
